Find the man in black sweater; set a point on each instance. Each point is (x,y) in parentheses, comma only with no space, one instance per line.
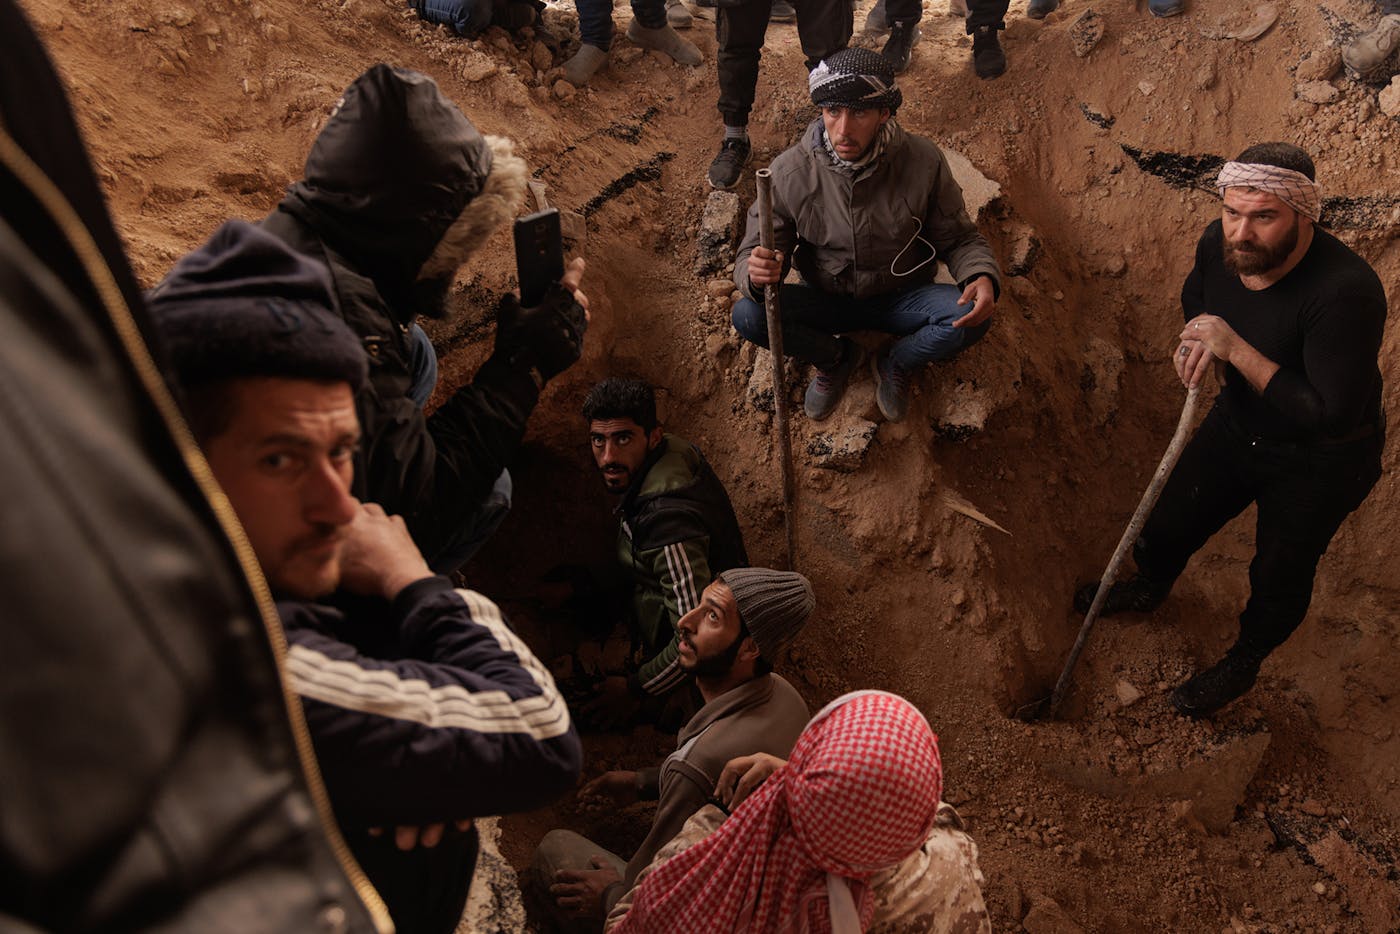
(1293,318)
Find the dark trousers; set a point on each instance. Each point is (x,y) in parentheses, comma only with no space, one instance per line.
(1303,492)
(823,26)
(986,13)
(595,25)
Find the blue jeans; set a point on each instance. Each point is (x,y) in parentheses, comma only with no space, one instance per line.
(422,361)
(922,318)
(466,17)
(595,25)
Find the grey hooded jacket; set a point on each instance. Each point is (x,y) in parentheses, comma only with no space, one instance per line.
(848,233)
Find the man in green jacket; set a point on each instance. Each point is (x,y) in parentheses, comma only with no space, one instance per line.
(677,530)
(865,211)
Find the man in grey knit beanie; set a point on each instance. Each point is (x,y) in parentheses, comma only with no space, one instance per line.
(728,642)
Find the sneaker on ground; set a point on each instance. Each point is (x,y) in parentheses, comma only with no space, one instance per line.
(891,387)
(1135,595)
(828,386)
(1166,7)
(783,12)
(903,38)
(729,164)
(1368,50)
(1226,680)
(677,16)
(584,64)
(876,24)
(988,60)
(667,41)
(1039,9)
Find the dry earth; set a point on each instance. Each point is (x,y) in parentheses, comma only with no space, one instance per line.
(1282,814)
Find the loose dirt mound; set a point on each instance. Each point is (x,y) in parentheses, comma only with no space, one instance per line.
(1048,429)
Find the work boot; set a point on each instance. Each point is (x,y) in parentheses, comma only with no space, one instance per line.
(1368,50)
(988,60)
(1164,8)
(1209,690)
(1135,595)
(584,64)
(677,16)
(828,386)
(782,12)
(667,41)
(729,164)
(903,38)
(875,22)
(891,387)
(1039,9)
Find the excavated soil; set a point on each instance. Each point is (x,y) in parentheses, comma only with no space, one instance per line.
(945,553)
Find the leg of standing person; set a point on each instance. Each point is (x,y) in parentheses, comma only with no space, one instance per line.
(985,18)
(739,31)
(650,30)
(902,19)
(1371,49)
(824,27)
(595,28)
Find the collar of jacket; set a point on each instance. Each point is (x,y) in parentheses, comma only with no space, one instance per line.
(629,499)
(816,149)
(749,694)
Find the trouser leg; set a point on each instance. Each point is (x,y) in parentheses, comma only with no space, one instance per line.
(422,365)
(1210,485)
(595,25)
(824,27)
(650,13)
(739,31)
(923,318)
(1306,497)
(811,320)
(564,849)
(478,529)
(986,13)
(904,11)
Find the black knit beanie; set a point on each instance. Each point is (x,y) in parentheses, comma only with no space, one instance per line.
(854,78)
(245,304)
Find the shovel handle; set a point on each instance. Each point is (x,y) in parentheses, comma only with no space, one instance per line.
(773,313)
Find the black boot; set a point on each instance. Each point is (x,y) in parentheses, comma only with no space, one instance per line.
(1227,679)
(988,60)
(903,38)
(1135,595)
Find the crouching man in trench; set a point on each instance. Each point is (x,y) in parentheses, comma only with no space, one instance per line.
(1293,318)
(425,710)
(865,211)
(745,618)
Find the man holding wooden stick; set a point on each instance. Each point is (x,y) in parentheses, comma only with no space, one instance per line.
(865,211)
(1293,318)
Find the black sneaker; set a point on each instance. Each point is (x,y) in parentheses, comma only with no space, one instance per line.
(1227,679)
(729,164)
(903,38)
(988,60)
(828,386)
(1135,595)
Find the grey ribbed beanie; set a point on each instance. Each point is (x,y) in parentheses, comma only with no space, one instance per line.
(774,605)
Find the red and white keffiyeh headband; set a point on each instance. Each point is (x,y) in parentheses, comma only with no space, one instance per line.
(1294,189)
(858,795)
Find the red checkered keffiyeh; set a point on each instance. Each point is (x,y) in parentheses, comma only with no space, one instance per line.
(858,795)
(1292,188)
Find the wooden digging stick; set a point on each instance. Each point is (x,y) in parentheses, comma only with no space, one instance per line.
(775,345)
(1130,534)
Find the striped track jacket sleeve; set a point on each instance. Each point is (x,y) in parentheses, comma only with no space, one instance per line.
(463,721)
(683,568)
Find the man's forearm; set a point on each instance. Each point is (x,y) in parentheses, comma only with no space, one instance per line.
(1256,368)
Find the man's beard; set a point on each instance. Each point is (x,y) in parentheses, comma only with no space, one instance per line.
(1255,260)
(719,664)
(428,297)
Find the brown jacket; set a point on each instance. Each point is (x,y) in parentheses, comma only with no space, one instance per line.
(845,232)
(764,715)
(937,889)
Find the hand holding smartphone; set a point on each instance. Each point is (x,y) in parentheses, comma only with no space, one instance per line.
(539,255)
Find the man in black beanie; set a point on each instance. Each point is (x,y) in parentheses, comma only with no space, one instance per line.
(865,211)
(424,709)
(399,191)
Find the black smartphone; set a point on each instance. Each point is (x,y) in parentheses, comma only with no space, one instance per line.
(539,255)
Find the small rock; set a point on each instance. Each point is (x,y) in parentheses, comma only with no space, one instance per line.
(1086,32)
(541,57)
(1320,65)
(1127,694)
(1389,98)
(719,227)
(843,449)
(478,68)
(1316,92)
(564,90)
(276,32)
(1025,250)
(1313,806)
(1320,888)
(1206,75)
(719,288)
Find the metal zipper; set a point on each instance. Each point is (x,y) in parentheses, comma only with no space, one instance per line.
(62,213)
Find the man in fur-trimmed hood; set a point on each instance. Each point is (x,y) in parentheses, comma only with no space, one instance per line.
(400,189)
